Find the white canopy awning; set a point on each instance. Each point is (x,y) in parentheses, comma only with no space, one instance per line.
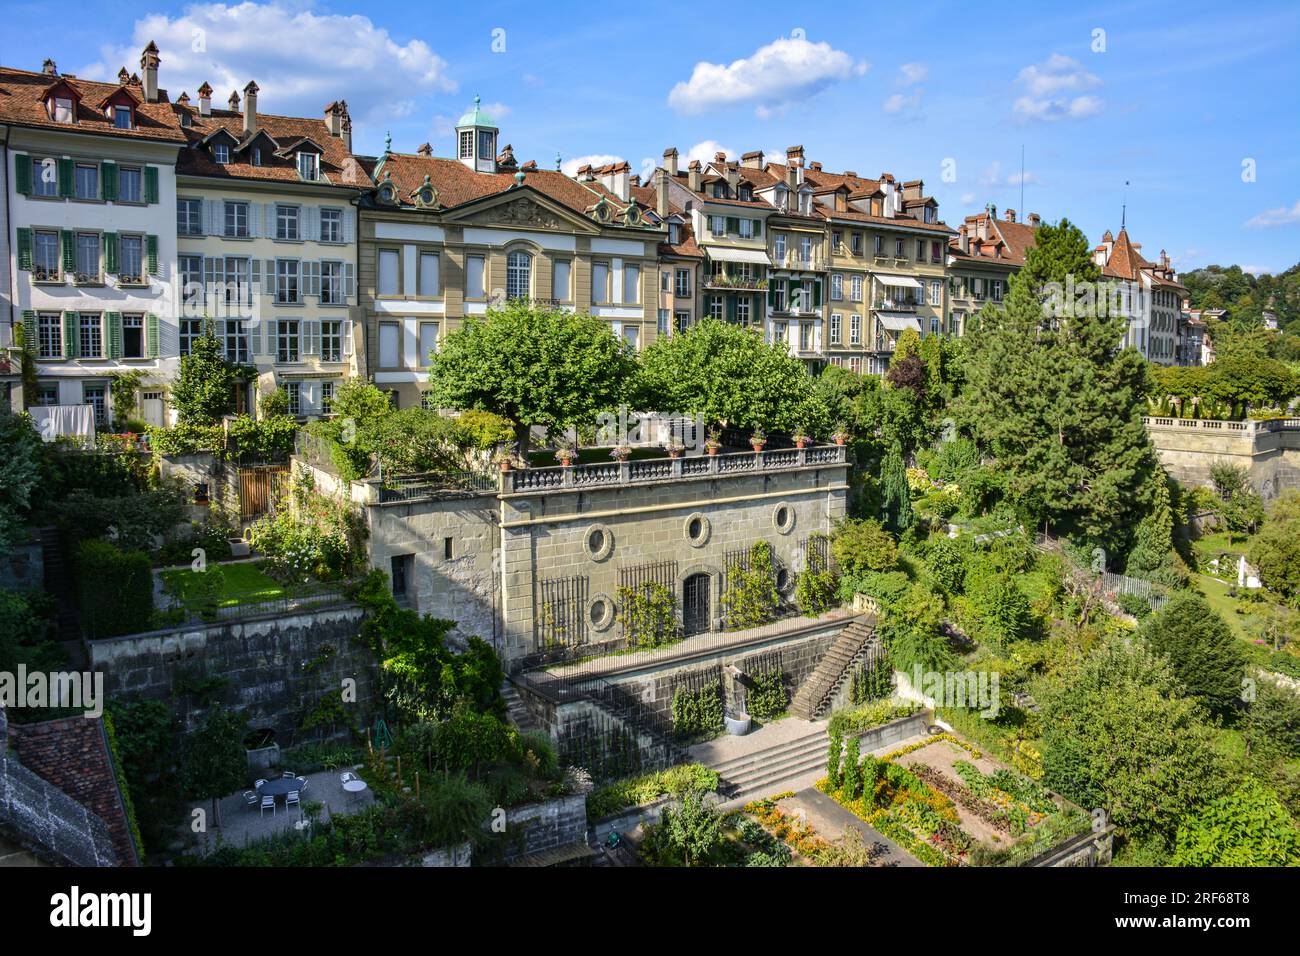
(730,254)
(898,321)
(900,282)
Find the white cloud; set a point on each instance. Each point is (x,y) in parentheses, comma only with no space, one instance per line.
(1272,218)
(967,199)
(912,73)
(1015,179)
(570,166)
(706,150)
(993,177)
(898,102)
(301,60)
(1054,90)
(775,77)
(1257,270)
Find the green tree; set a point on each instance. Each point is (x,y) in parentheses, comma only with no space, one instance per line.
(727,373)
(1206,656)
(1248,827)
(213,761)
(896,505)
(1272,725)
(205,383)
(20,455)
(1275,551)
(1054,402)
(862,545)
(532,366)
(694,828)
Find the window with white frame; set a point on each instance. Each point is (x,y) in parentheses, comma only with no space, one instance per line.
(837,325)
(742,310)
(331,283)
(49,335)
(87,258)
(45,177)
(238,279)
(837,287)
(236,341)
(936,292)
(805,336)
(331,225)
(190,331)
(97,397)
(682,287)
(746,229)
(308,165)
(519,275)
(855,330)
(294,391)
(287,289)
(717,308)
(286,340)
(879,245)
(600,283)
(805,249)
(91,325)
(390,272)
(86,181)
(855,289)
(189,220)
(326,396)
(681,321)
(130,184)
(130,259)
(778,246)
(662,324)
(466,145)
(287,221)
(46,261)
(236,216)
(898,249)
(221,153)
(331,340)
(63,110)
(855,243)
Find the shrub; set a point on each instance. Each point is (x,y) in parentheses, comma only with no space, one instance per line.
(697,713)
(864,545)
(751,597)
(768,699)
(114,589)
(1135,604)
(947,565)
(1206,657)
(648,614)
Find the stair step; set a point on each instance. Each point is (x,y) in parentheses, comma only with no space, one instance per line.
(774,782)
(771,753)
(792,765)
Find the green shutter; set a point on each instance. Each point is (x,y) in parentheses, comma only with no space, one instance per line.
(108,180)
(71,347)
(758,228)
(151,335)
(110,253)
(66,185)
(771,293)
(69,251)
(731,308)
(817,293)
(733,224)
(151,184)
(30,333)
(25,250)
(114,334)
(23,175)
(151,253)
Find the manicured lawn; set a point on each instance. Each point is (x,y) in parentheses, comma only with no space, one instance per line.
(1216,595)
(245,583)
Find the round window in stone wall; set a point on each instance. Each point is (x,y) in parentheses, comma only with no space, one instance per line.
(783,518)
(696,528)
(598,542)
(600,612)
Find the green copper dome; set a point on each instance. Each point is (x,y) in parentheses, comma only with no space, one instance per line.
(475,117)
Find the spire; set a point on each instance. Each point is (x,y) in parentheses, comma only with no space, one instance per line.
(388,143)
(557,160)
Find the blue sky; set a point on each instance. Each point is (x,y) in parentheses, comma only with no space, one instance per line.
(1171,97)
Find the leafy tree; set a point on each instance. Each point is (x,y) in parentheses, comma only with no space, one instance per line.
(1272,725)
(947,564)
(862,545)
(213,761)
(532,366)
(727,373)
(1248,827)
(896,506)
(1247,381)
(1117,734)
(20,453)
(1275,551)
(1205,655)
(694,828)
(1055,401)
(913,630)
(274,403)
(1243,512)
(1000,608)
(205,383)
(1228,478)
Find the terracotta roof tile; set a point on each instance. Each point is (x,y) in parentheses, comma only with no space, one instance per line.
(22,103)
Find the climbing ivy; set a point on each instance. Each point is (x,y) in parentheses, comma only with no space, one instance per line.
(697,713)
(768,699)
(750,597)
(648,614)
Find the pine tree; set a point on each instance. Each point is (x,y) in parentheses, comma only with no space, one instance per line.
(896,504)
(1057,402)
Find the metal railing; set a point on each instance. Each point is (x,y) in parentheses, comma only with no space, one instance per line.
(435,484)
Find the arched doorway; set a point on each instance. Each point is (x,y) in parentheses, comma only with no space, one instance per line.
(695,603)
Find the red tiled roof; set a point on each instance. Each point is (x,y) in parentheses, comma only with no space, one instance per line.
(72,754)
(22,103)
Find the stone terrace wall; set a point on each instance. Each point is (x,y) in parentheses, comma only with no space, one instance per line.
(547,826)
(263,660)
(1269,451)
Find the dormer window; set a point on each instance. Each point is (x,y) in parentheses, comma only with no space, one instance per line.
(930,214)
(719,190)
(220,153)
(308,165)
(62,111)
(782,198)
(122,117)
(257,156)
(486,145)
(674,233)
(805,203)
(186,119)
(746,194)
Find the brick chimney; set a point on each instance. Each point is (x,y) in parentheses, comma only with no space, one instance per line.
(149,61)
(1010,215)
(661,191)
(233,102)
(693,175)
(670,160)
(752,160)
(1034,219)
(250,108)
(49,68)
(815,167)
(205,99)
(425,149)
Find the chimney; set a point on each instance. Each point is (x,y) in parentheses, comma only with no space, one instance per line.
(693,176)
(149,61)
(347,125)
(670,160)
(250,108)
(205,100)
(963,239)
(983,228)
(1034,219)
(752,160)
(1010,215)
(334,119)
(123,77)
(620,185)
(49,68)
(794,160)
(233,102)
(815,167)
(425,149)
(661,192)
(720,158)
(851,174)
(183,99)
(636,179)
(733,178)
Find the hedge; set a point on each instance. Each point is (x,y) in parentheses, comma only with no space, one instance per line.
(114,589)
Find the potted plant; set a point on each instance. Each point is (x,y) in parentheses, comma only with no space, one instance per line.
(841,434)
(674,447)
(758,439)
(620,452)
(800,438)
(507,458)
(566,455)
(713,442)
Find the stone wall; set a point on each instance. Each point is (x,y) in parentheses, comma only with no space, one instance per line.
(264,662)
(537,827)
(1189,448)
(203,468)
(23,568)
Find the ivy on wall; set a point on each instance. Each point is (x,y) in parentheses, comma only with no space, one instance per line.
(648,614)
(750,597)
(697,713)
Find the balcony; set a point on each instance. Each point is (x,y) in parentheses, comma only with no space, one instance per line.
(795,262)
(894,305)
(735,283)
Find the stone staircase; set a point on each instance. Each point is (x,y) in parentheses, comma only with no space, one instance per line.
(516,711)
(768,771)
(816,693)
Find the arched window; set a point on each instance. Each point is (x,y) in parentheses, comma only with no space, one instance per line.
(519,270)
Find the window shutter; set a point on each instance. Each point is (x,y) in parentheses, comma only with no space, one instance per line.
(108,179)
(151,184)
(255,275)
(151,335)
(110,253)
(733,224)
(731,308)
(771,294)
(65,178)
(272,333)
(311,279)
(23,175)
(758,228)
(114,334)
(69,251)
(70,344)
(268,219)
(254,337)
(311,337)
(345,333)
(30,333)
(271,277)
(310,227)
(25,250)
(215,214)
(151,254)
(349,226)
(349,281)
(817,293)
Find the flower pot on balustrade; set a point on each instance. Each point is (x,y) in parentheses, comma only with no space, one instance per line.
(757,446)
(801,443)
(711,450)
(505,464)
(840,439)
(675,452)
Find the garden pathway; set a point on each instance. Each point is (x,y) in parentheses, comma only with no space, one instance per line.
(830,820)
